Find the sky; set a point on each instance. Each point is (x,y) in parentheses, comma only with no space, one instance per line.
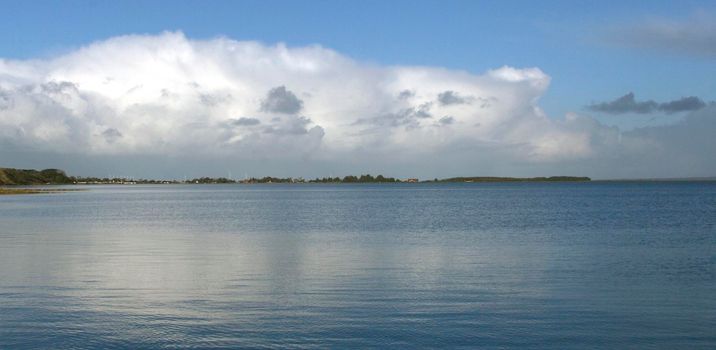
(318,88)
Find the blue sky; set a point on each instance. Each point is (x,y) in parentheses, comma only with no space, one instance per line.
(594,52)
(563,38)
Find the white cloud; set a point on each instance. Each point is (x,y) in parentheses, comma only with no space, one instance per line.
(166,95)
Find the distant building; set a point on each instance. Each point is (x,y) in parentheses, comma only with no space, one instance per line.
(412,180)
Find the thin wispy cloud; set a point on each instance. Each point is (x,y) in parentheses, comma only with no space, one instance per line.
(692,35)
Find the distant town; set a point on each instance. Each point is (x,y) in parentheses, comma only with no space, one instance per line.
(9,176)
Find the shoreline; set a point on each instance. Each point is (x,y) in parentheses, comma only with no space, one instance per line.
(28,189)
(44,188)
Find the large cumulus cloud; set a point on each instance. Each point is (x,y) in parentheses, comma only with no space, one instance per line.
(168,96)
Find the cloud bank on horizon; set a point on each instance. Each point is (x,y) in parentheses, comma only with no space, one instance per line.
(244,102)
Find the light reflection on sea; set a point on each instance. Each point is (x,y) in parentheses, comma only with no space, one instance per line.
(492,265)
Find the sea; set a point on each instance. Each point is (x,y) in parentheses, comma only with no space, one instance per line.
(597,265)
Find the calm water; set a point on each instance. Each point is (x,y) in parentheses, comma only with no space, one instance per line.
(598,265)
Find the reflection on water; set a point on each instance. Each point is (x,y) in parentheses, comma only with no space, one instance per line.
(492,265)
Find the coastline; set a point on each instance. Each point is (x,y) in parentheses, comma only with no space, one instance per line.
(30,190)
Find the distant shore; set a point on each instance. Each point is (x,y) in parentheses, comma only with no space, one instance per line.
(30,177)
(10,191)
(9,176)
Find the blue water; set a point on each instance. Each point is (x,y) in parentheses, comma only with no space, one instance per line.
(551,265)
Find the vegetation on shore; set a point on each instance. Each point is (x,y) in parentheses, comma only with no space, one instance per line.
(367,178)
(10,176)
(79,180)
(58,177)
(254,180)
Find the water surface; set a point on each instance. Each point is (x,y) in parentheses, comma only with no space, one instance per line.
(530,265)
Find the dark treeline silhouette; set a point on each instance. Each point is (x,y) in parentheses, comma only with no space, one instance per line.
(118,180)
(211,180)
(10,176)
(367,178)
(270,179)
